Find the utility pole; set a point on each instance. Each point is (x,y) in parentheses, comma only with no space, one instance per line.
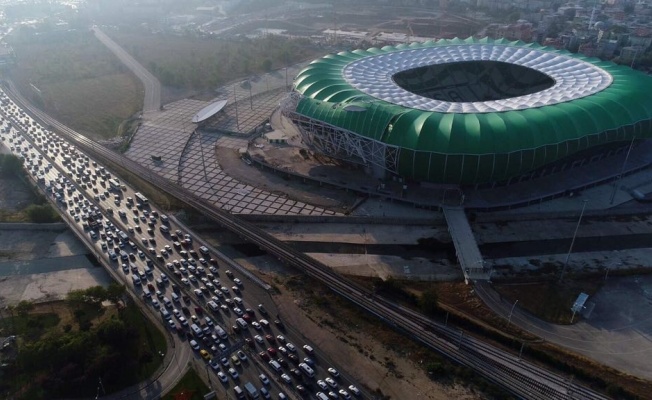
(509,318)
(570,249)
(235,101)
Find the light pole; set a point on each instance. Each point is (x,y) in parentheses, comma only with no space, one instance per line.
(570,249)
(203,160)
(235,102)
(622,171)
(509,318)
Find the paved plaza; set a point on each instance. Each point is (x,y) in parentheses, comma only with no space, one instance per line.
(188,157)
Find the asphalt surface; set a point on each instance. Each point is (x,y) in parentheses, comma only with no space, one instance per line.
(152,100)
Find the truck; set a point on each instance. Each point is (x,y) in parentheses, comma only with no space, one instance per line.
(251,390)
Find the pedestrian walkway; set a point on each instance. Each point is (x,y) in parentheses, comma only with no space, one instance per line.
(466,248)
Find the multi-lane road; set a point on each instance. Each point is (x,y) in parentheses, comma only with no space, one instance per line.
(173,274)
(517,376)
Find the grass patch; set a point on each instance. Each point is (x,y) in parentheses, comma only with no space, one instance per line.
(190,387)
(31,326)
(74,77)
(205,63)
(550,300)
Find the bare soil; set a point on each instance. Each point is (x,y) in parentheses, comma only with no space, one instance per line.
(378,358)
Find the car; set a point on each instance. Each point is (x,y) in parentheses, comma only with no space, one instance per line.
(176,313)
(222,377)
(301,389)
(333,372)
(290,347)
(309,361)
(155,303)
(183,321)
(296,372)
(259,339)
(206,356)
(354,390)
(233,373)
(270,338)
(241,355)
(345,395)
(264,356)
(308,349)
(294,358)
(256,325)
(264,379)
(271,351)
(331,382)
(283,350)
(262,309)
(224,361)
(280,338)
(322,384)
(286,378)
(194,344)
(172,324)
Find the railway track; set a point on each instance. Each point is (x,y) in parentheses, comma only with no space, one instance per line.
(519,377)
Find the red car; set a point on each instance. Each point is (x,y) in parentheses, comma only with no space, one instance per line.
(264,356)
(271,351)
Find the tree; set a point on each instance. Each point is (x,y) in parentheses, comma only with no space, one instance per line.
(267,65)
(41,214)
(24,307)
(115,292)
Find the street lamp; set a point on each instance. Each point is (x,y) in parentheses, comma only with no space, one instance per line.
(570,249)
(509,319)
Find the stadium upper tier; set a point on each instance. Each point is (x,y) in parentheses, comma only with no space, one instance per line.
(467,111)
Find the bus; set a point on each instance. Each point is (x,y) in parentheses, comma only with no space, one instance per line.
(115,184)
(141,199)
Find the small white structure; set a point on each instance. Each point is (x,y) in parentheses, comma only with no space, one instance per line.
(276,137)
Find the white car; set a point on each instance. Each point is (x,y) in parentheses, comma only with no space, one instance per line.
(331,382)
(334,372)
(290,347)
(264,379)
(256,325)
(354,390)
(259,339)
(286,378)
(321,384)
(345,395)
(222,377)
(233,373)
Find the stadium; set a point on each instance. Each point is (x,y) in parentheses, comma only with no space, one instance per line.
(469,112)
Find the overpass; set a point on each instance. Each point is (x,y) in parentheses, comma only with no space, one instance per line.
(466,248)
(517,376)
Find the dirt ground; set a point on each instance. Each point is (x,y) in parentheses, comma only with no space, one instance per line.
(376,357)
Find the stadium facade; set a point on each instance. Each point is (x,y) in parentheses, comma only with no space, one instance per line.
(471,111)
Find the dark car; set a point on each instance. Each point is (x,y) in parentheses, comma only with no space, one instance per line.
(185,310)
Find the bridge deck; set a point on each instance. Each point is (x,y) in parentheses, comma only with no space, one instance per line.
(466,248)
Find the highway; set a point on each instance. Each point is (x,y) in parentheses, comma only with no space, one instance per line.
(152,100)
(519,377)
(77,186)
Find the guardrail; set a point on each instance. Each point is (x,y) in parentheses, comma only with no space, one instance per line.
(537,383)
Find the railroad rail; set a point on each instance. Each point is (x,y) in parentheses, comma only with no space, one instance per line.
(519,377)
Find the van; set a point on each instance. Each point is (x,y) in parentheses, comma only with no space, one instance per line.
(135,279)
(146,293)
(305,368)
(196,330)
(274,364)
(164,229)
(167,303)
(241,322)
(220,332)
(175,297)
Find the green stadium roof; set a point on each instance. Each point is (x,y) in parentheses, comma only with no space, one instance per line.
(592,102)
